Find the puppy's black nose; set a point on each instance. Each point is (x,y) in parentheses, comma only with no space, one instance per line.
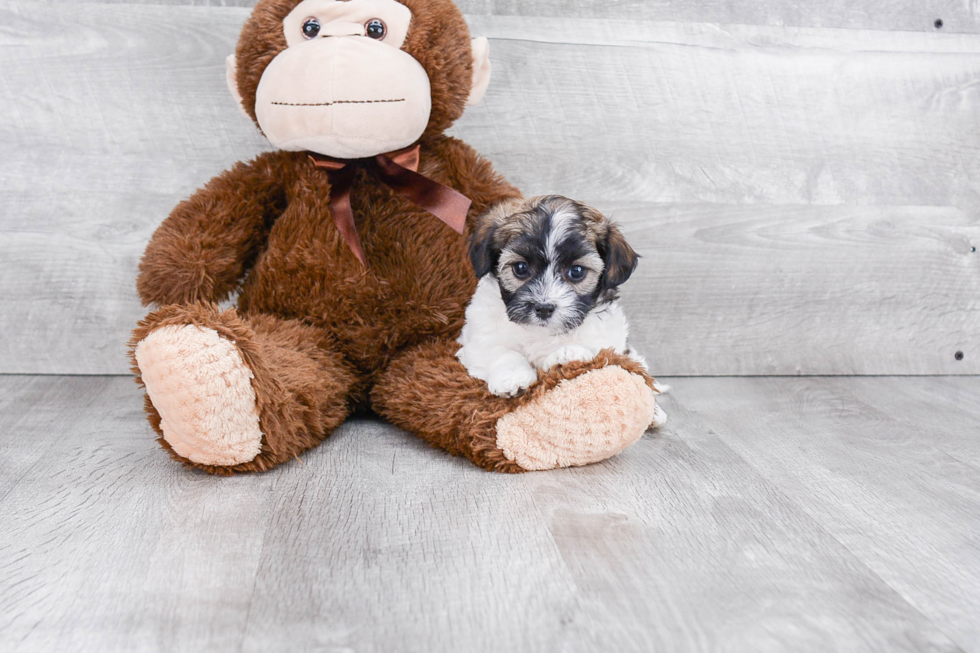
(544,311)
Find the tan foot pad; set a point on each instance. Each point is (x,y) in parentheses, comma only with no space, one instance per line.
(583,420)
(202,389)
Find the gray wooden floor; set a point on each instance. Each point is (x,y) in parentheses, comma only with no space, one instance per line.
(771,514)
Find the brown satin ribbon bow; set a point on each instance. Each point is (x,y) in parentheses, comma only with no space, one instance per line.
(399,171)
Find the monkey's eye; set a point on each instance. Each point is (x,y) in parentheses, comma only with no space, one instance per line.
(376,28)
(521,270)
(577,273)
(311,28)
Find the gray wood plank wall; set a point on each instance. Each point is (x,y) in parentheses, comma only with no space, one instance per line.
(907,15)
(806,197)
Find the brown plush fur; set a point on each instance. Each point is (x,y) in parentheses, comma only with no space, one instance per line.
(304,388)
(322,334)
(428,391)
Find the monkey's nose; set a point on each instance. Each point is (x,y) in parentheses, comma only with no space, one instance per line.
(544,311)
(338,28)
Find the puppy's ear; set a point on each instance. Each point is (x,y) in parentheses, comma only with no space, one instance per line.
(620,258)
(484,245)
(483,251)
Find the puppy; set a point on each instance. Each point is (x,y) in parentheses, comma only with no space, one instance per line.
(549,270)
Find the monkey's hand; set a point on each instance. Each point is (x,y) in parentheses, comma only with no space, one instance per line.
(203,249)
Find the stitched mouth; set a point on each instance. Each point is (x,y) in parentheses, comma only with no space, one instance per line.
(330,104)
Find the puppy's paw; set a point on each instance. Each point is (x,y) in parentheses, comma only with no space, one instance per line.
(511,381)
(659,418)
(635,355)
(567,354)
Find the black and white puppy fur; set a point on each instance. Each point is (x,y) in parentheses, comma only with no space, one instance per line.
(549,269)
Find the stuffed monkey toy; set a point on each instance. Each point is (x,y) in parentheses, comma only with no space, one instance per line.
(347,248)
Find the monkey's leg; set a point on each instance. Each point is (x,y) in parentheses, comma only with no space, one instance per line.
(230,393)
(574,415)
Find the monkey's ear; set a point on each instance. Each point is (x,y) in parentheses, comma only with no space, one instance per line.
(620,258)
(481,70)
(483,251)
(231,77)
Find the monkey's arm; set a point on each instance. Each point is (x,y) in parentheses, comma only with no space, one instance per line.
(475,176)
(202,250)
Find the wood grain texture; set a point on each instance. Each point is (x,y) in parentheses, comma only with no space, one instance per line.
(103,129)
(909,15)
(803,289)
(879,464)
(769,515)
(821,156)
(744,115)
(97,506)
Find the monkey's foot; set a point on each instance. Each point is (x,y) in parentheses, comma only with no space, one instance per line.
(201,387)
(582,420)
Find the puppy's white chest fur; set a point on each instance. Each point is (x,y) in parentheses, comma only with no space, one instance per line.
(506,355)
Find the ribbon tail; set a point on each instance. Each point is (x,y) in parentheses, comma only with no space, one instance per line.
(341,180)
(343,213)
(447,204)
(343,217)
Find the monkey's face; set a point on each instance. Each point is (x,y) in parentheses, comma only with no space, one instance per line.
(341,78)
(344,87)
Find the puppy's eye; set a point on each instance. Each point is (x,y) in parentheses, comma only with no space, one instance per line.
(376,28)
(577,273)
(521,270)
(311,28)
